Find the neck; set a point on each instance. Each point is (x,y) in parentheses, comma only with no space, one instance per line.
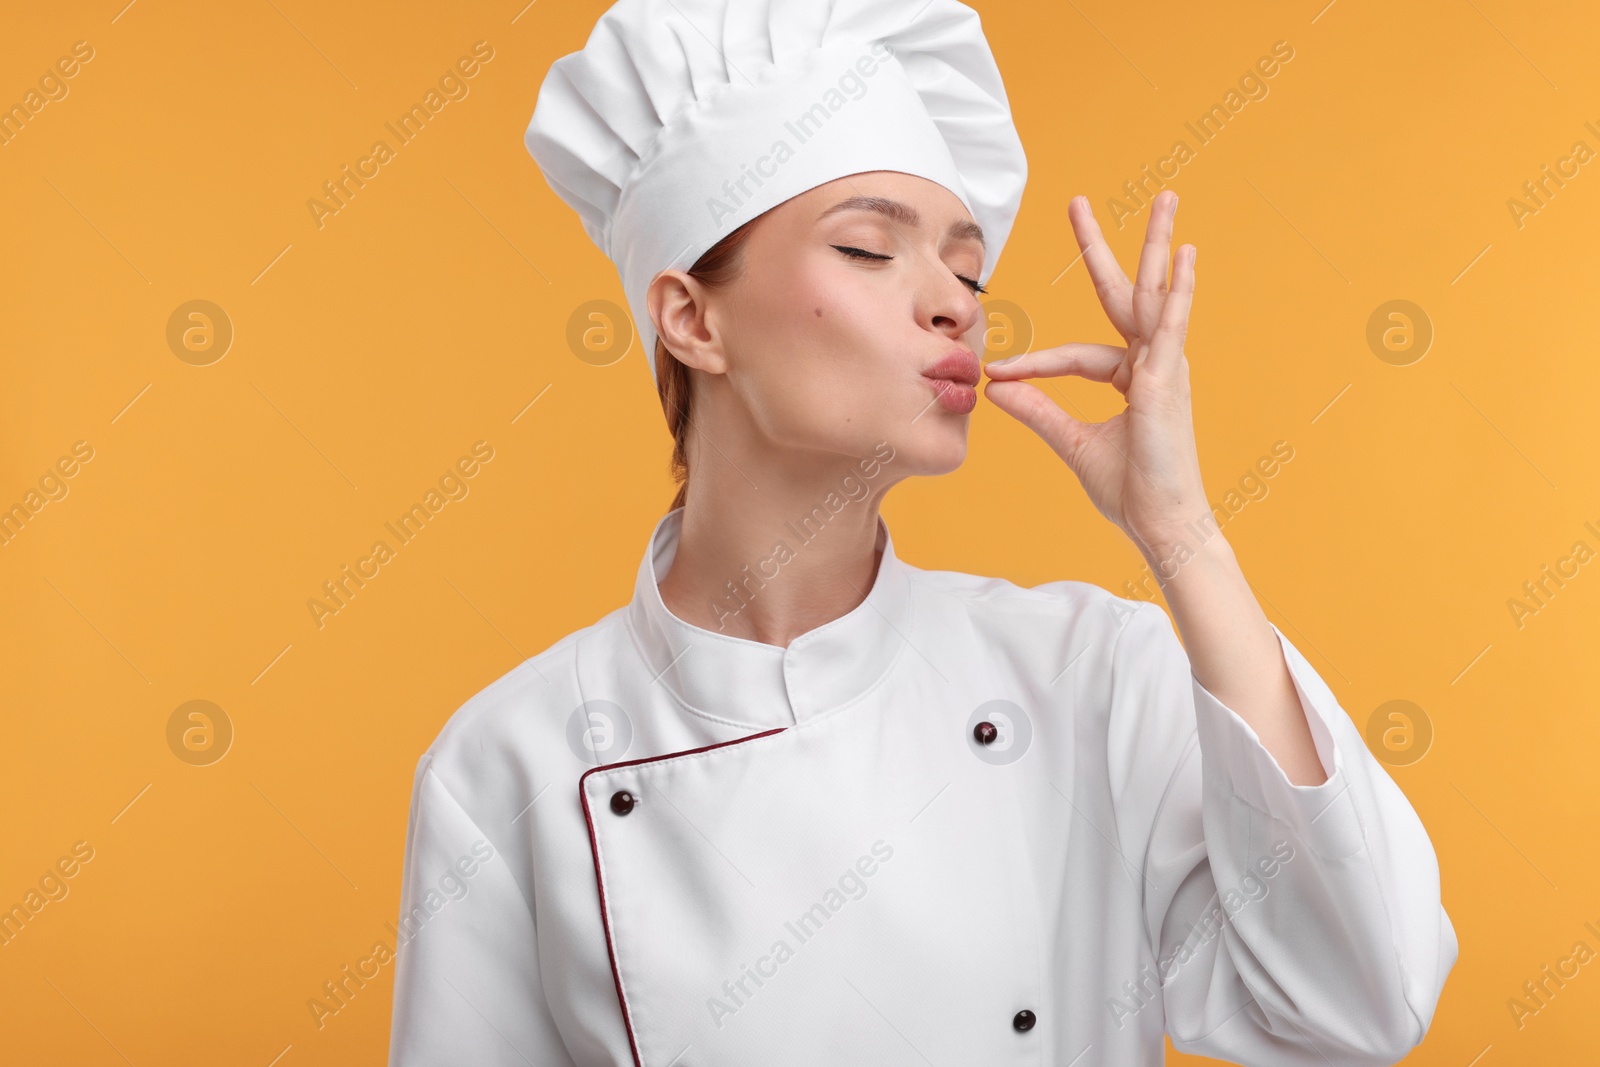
(771,565)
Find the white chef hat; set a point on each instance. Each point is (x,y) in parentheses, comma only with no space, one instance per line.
(681,120)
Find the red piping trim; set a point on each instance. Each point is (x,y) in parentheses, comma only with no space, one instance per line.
(594,850)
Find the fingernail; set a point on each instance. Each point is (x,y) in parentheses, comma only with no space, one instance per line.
(1003,362)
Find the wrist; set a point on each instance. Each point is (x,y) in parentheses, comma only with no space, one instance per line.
(1195,547)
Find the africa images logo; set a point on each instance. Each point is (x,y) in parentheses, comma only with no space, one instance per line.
(851,85)
(599,732)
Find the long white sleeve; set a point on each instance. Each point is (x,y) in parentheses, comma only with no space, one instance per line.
(1292,925)
(467,986)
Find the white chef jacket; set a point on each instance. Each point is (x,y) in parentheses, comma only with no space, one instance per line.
(806,856)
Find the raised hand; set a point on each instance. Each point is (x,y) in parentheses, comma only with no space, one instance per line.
(1139,467)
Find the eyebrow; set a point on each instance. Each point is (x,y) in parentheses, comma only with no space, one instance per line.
(905,215)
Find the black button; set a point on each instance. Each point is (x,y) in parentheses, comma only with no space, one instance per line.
(622,802)
(1023,1020)
(985,732)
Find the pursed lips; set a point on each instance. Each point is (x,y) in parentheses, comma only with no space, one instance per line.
(958,366)
(955,379)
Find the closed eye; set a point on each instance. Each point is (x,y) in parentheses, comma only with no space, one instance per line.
(862,253)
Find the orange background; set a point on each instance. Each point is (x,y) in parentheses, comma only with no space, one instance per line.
(371,352)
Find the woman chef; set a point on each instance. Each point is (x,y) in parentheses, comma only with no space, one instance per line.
(801,802)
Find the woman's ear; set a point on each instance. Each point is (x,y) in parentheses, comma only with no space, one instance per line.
(677,305)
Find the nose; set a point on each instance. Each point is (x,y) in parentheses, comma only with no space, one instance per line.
(949,306)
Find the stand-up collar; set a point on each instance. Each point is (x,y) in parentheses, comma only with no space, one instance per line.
(749,682)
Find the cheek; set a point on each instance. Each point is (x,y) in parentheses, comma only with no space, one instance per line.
(831,355)
(825,380)
(854,355)
(821,330)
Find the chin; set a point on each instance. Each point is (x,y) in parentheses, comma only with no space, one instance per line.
(939,448)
